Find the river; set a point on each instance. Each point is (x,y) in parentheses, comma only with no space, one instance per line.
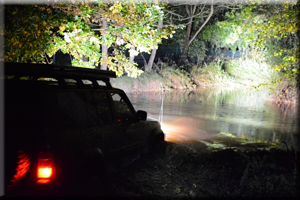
(204,113)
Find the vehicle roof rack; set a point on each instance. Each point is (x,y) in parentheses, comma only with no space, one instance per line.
(59,72)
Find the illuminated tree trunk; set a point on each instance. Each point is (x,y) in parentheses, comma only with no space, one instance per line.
(153,53)
(131,55)
(104,46)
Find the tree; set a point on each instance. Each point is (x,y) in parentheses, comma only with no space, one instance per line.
(80,29)
(194,18)
(79,41)
(272,28)
(149,65)
(104,45)
(130,26)
(29,31)
(191,10)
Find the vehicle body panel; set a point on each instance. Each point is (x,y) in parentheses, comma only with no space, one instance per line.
(72,123)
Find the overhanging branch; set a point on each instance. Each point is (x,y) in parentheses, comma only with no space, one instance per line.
(209,16)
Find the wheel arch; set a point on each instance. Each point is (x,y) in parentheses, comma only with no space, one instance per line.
(156,135)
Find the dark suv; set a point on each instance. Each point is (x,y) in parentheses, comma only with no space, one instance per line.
(65,123)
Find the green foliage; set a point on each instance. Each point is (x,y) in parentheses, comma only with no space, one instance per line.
(33,33)
(213,75)
(219,37)
(148,81)
(197,49)
(250,71)
(265,27)
(253,69)
(129,25)
(29,31)
(176,78)
(79,40)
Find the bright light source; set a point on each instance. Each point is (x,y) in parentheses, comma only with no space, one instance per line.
(45,167)
(44,172)
(184,129)
(171,132)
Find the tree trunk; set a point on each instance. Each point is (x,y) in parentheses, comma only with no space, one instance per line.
(187,38)
(131,56)
(188,41)
(148,67)
(104,46)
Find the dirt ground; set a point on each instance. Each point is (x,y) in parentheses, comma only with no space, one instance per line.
(193,171)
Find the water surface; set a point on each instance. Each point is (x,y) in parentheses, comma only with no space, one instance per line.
(204,113)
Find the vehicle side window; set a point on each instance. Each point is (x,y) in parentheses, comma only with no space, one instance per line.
(102,107)
(123,112)
(76,107)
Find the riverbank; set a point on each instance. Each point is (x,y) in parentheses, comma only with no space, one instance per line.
(194,171)
(235,74)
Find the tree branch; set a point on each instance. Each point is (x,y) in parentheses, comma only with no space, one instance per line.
(202,12)
(194,9)
(187,10)
(211,12)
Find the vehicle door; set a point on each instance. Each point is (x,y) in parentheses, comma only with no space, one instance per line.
(126,121)
(111,136)
(86,116)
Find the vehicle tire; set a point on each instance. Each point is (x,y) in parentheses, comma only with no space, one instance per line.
(158,144)
(90,173)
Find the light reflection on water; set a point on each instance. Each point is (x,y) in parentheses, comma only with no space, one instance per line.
(204,113)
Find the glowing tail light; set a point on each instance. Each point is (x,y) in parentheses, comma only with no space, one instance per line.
(45,167)
(45,172)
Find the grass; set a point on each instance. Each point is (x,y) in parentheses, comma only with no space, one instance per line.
(177,78)
(225,74)
(148,81)
(166,79)
(193,171)
(212,74)
(247,72)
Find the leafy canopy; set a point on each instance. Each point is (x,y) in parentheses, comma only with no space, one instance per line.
(29,32)
(34,33)
(260,26)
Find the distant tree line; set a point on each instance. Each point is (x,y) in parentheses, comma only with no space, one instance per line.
(88,30)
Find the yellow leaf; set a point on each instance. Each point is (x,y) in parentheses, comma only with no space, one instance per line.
(295,71)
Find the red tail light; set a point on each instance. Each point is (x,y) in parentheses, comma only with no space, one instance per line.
(45,167)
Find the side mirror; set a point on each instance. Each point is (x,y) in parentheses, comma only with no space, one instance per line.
(141,115)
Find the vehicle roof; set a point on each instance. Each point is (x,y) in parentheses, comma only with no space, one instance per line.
(56,74)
